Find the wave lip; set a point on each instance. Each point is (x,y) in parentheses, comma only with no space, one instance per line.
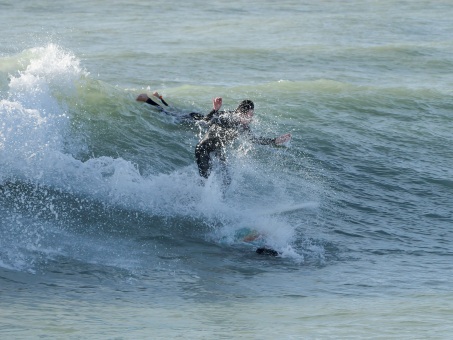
(76,137)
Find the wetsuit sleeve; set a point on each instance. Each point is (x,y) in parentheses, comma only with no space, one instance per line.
(210,115)
(260,140)
(199,116)
(263,140)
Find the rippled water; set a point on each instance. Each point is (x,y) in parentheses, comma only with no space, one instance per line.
(106,230)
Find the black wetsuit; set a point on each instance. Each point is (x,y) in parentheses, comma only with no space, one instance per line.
(224,128)
(153,103)
(185,117)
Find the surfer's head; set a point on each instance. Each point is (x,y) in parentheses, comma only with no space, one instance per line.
(245,106)
(246,111)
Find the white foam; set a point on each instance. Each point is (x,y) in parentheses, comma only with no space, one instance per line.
(34,126)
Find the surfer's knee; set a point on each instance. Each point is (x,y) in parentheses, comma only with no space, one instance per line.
(203,160)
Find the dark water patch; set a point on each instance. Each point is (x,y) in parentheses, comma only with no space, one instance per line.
(341,232)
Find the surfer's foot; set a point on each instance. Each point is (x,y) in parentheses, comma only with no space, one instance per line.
(267,251)
(196,116)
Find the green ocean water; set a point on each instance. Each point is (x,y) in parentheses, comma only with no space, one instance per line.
(106,229)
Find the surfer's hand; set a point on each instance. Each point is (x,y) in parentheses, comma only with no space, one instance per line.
(283,139)
(156,94)
(217,103)
(142,97)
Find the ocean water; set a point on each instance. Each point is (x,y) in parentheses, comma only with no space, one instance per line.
(107,231)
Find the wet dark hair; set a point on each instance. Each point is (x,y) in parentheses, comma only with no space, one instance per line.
(245,106)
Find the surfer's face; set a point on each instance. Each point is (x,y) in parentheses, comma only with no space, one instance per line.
(246,117)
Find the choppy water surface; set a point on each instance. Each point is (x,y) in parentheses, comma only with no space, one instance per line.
(106,229)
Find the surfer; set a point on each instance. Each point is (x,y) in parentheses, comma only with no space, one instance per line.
(193,116)
(144,98)
(224,128)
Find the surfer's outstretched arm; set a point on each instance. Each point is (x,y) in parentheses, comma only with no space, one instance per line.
(216,105)
(282,139)
(269,141)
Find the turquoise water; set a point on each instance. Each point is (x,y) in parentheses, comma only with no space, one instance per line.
(106,230)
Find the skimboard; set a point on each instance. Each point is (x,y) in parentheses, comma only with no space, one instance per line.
(253,237)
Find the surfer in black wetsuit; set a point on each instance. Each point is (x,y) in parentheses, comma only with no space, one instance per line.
(144,98)
(224,128)
(193,116)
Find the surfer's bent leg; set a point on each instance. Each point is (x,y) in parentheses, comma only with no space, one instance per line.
(202,151)
(224,168)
